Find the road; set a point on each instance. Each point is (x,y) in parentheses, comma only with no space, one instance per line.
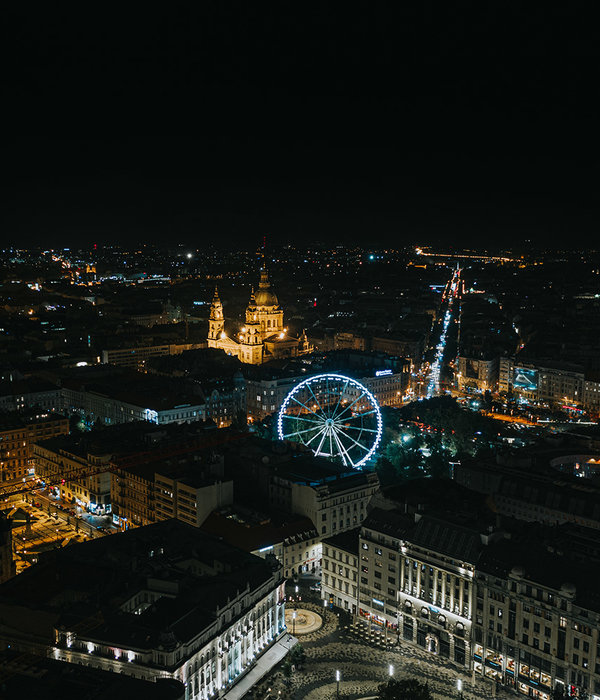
(87,522)
(364,659)
(49,527)
(448,311)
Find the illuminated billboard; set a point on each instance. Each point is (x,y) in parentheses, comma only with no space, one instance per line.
(526,379)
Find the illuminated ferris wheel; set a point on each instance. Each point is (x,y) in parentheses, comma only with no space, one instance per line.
(334,416)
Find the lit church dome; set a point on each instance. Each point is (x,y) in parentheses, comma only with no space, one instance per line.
(264,296)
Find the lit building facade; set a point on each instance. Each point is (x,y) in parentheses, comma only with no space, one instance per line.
(137,357)
(477,374)
(176,603)
(416,580)
(82,477)
(263,337)
(333,505)
(532,633)
(18,435)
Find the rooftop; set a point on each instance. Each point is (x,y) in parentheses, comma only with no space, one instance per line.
(87,585)
(25,675)
(253,536)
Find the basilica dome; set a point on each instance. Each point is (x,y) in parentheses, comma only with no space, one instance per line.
(264,296)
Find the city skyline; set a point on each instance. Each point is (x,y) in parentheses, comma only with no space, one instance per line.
(300,352)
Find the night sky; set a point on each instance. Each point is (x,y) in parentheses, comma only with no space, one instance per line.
(230,121)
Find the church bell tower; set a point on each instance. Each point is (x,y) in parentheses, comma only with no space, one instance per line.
(216,321)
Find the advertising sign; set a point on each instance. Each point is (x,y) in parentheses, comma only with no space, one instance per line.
(525,379)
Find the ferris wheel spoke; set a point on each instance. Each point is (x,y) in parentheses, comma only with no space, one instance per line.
(355,442)
(368,413)
(356,427)
(318,452)
(316,399)
(343,451)
(358,398)
(339,400)
(300,432)
(310,410)
(307,420)
(323,430)
(339,403)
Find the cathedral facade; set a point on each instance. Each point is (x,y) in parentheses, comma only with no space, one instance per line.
(263,337)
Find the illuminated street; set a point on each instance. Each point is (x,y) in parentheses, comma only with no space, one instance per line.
(450,294)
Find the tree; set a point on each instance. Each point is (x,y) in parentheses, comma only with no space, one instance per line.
(240,422)
(297,655)
(404,690)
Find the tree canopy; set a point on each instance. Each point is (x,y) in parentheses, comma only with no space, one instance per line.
(408,689)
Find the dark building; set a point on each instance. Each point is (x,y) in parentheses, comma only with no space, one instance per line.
(163,601)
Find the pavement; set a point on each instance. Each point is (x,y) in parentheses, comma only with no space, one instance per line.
(364,657)
(87,522)
(50,527)
(264,664)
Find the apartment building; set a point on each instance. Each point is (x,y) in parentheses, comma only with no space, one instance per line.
(477,374)
(292,540)
(189,494)
(536,627)
(23,394)
(339,578)
(184,482)
(19,432)
(77,470)
(137,357)
(331,497)
(517,605)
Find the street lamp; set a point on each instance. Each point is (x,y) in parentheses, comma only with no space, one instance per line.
(338,677)
(391,670)
(294,622)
